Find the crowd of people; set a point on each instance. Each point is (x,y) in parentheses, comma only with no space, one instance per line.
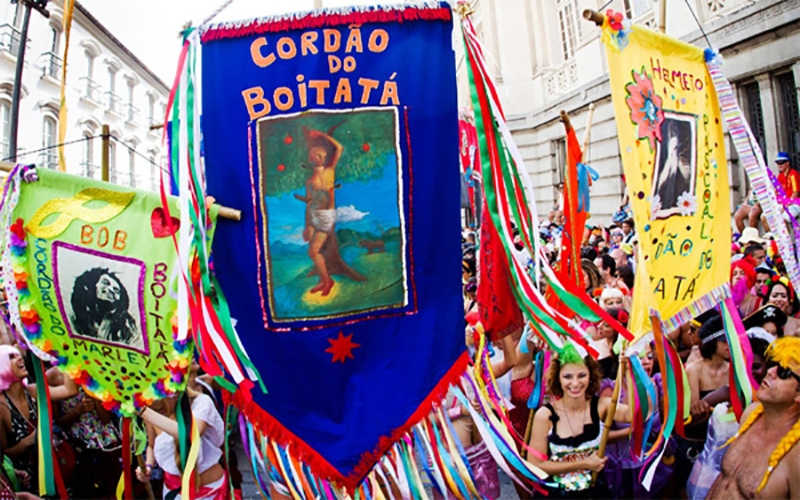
(717,456)
(87,438)
(559,431)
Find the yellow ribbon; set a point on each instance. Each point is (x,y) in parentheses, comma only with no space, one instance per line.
(66,27)
(121,486)
(69,209)
(451,483)
(450,443)
(42,476)
(191,463)
(285,474)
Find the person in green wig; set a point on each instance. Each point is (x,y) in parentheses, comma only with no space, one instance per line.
(568,429)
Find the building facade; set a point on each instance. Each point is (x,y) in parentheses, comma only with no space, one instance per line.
(106,85)
(546,58)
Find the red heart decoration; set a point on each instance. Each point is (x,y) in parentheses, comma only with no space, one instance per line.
(158,223)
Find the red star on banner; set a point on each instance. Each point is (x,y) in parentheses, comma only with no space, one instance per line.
(342,347)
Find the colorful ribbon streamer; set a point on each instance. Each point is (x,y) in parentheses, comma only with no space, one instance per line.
(753,161)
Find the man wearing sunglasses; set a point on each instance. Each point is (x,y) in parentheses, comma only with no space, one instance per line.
(762,460)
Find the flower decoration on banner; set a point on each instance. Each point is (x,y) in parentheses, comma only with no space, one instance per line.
(655,204)
(645,106)
(619,28)
(687,203)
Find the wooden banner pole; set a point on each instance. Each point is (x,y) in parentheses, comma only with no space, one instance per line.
(594,16)
(224,212)
(662,16)
(612,410)
(147,485)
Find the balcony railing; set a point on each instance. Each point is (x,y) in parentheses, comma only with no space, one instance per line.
(49,159)
(113,102)
(52,65)
(120,177)
(719,8)
(91,170)
(89,89)
(133,113)
(563,79)
(10,38)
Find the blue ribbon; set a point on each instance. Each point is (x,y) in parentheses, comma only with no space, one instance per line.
(650,387)
(536,396)
(584,173)
(422,459)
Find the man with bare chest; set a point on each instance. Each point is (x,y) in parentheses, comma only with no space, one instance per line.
(763,461)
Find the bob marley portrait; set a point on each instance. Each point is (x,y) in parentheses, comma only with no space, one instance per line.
(100,308)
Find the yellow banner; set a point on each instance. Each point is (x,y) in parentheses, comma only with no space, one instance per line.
(673,153)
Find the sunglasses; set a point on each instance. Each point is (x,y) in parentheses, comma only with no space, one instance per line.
(783,372)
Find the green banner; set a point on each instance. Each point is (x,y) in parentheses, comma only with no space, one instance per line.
(90,274)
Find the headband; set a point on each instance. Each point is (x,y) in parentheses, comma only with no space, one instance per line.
(713,336)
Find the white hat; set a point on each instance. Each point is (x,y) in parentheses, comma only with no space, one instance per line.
(750,235)
(760,333)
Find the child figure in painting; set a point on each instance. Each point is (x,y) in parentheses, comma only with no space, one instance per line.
(323,154)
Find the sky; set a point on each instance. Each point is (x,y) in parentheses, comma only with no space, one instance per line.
(150,28)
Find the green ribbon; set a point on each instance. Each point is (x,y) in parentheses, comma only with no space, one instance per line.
(44,430)
(139,437)
(230,415)
(183,415)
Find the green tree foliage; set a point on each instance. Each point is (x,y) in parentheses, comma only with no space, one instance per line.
(368,138)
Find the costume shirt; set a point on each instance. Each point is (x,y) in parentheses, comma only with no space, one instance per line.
(790,180)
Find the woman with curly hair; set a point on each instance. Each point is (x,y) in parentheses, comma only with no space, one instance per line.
(100,308)
(568,429)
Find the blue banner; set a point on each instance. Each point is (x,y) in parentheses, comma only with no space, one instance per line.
(336,135)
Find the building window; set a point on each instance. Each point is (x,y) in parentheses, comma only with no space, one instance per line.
(151,109)
(89,168)
(18,15)
(55,40)
(131,166)
(89,64)
(789,116)
(112,161)
(133,111)
(91,90)
(154,174)
(52,63)
(49,134)
(112,79)
(113,100)
(558,150)
(567,23)
(637,8)
(10,35)
(755,115)
(5,129)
